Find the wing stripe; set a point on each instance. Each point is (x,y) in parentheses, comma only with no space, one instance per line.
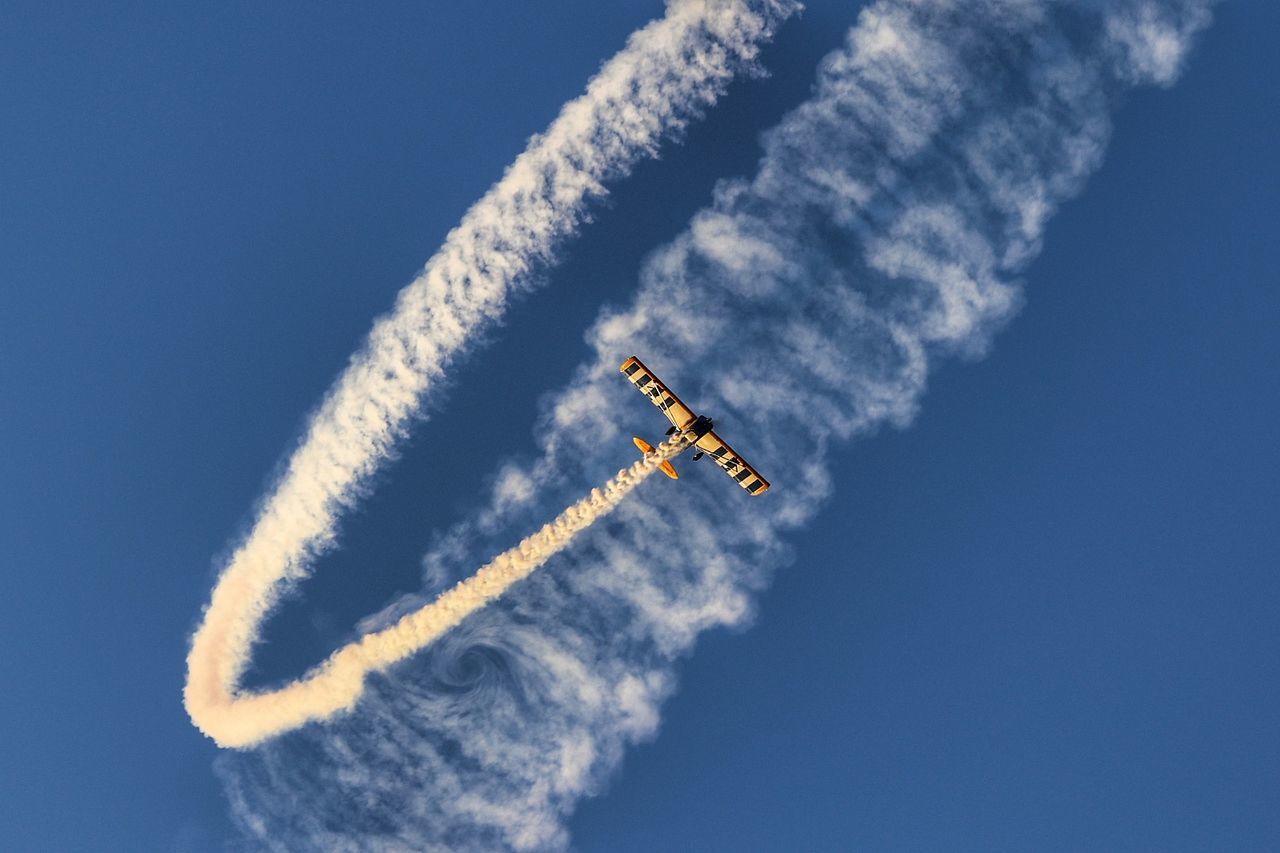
(659,394)
(733,464)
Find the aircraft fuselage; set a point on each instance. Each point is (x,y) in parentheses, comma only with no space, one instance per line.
(699,428)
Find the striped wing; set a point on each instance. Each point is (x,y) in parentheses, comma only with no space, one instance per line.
(659,394)
(733,464)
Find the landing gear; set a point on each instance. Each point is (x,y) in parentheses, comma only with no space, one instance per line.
(697,456)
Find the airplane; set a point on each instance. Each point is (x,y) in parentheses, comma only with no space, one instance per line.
(695,429)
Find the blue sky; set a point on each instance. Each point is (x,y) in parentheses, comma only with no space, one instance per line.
(1039,617)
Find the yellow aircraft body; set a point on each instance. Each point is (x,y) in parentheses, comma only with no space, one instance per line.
(696,430)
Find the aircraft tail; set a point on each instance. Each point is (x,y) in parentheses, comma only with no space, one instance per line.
(646,448)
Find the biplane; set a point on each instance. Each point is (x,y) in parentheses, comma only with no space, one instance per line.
(695,429)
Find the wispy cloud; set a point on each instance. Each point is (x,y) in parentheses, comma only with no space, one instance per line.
(668,72)
(885,229)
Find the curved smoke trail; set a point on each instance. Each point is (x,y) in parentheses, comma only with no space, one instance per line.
(884,231)
(669,71)
(336,684)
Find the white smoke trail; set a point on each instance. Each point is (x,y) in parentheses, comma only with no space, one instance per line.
(336,684)
(885,228)
(669,70)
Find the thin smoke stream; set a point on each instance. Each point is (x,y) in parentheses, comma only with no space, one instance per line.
(337,684)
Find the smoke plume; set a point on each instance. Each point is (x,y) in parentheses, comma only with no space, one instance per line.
(669,71)
(885,230)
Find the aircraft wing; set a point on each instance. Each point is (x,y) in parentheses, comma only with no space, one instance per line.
(659,394)
(733,464)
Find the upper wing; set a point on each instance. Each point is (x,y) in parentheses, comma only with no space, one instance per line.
(659,394)
(733,464)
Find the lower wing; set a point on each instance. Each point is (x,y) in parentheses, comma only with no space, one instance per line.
(732,464)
